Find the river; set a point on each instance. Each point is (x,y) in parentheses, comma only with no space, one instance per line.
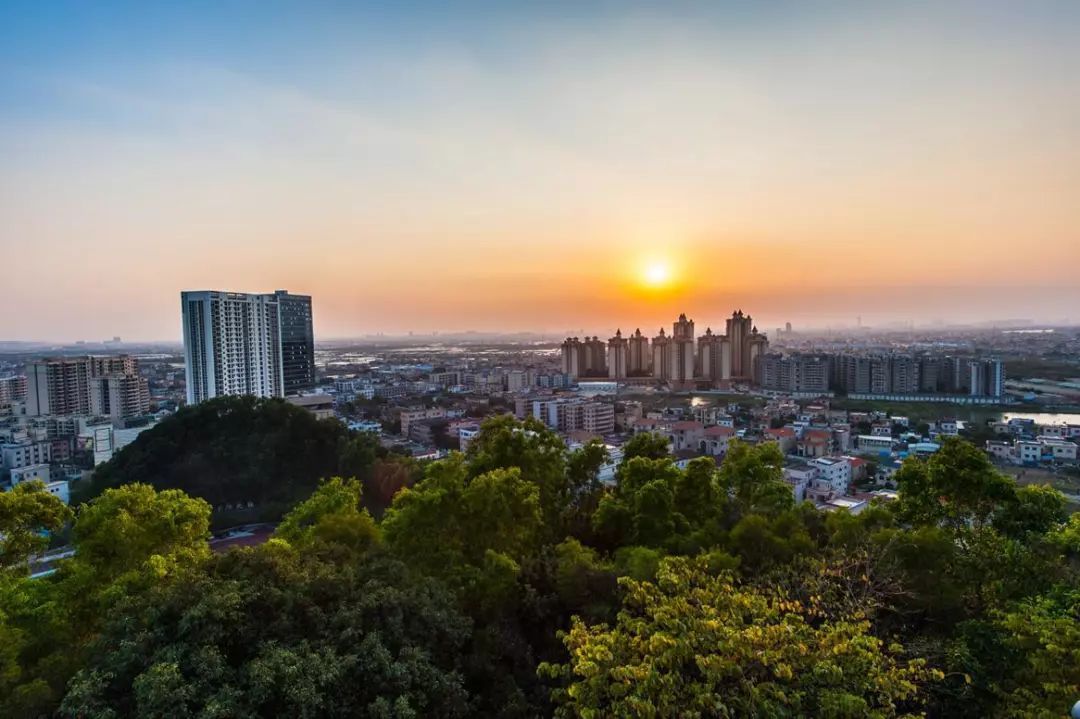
(1043,417)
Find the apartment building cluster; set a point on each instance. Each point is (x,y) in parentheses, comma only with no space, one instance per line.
(99,386)
(820,467)
(1027,443)
(237,343)
(12,389)
(569,413)
(410,382)
(882,375)
(680,359)
(65,415)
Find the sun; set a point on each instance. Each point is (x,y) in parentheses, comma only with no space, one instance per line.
(657,274)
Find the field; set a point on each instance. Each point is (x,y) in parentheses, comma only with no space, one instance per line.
(925,411)
(1068,484)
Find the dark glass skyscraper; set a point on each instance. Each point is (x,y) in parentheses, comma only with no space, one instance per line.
(297,343)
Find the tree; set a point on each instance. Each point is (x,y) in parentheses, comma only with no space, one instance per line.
(583,468)
(698,496)
(698,644)
(583,475)
(583,580)
(648,445)
(733,601)
(1033,509)
(127,526)
(641,510)
(957,485)
(753,476)
(357,455)
(27,514)
(1046,632)
(389,475)
(450,525)
(234,450)
(268,632)
(128,541)
(535,452)
(332,517)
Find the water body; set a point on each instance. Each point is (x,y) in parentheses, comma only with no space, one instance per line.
(1044,417)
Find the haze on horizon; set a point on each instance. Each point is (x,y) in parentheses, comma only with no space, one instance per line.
(492,167)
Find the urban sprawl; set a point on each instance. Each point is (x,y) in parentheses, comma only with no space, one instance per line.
(845,409)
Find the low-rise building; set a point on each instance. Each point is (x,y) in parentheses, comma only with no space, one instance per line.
(814,443)
(26,453)
(59,489)
(567,414)
(320,405)
(836,471)
(30,473)
(854,505)
(688,436)
(1059,450)
(799,477)
(424,431)
(783,436)
(869,444)
(1028,452)
(949,427)
(717,440)
(466,435)
(858,468)
(1000,450)
(408,416)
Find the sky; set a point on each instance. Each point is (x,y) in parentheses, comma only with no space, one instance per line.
(538,166)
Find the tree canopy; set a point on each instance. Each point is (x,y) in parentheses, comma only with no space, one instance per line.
(232,451)
(510,581)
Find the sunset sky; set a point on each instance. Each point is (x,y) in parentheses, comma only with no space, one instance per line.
(420,166)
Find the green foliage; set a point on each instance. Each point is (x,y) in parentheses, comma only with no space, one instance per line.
(125,527)
(1034,509)
(753,476)
(450,524)
(694,643)
(332,517)
(639,563)
(647,445)
(957,485)
(535,452)
(686,592)
(128,541)
(27,511)
(269,632)
(641,511)
(582,577)
(656,504)
(1045,631)
(235,450)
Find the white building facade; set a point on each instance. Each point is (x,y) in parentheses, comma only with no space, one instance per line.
(233,344)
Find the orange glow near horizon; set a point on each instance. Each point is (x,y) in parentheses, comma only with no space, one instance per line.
(540,171)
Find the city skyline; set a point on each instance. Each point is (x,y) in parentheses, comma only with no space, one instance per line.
(488,167)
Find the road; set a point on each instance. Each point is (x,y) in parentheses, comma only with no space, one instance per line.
(245,535)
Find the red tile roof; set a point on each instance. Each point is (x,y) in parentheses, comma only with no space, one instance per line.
(817,435)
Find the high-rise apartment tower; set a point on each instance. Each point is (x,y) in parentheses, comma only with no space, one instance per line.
(237,343)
